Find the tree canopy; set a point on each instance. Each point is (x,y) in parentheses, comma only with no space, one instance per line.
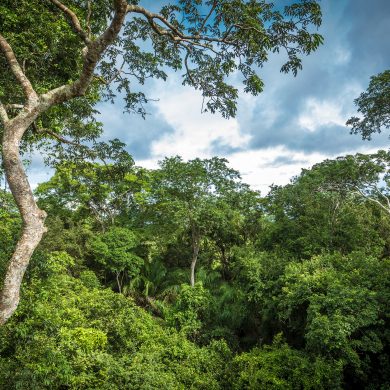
(291,288)
(60,58)
(182,276)
(374,105)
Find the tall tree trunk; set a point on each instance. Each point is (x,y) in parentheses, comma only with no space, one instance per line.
(32,217)
(195,252)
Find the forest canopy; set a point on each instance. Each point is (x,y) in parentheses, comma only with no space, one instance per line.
(289,290)
(115,276)
(60,58)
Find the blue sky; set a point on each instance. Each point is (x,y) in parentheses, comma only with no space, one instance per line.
(293,124)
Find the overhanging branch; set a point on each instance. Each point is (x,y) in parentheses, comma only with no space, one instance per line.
(172,30)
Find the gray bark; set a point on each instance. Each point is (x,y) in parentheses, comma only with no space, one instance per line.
(32,217)
(195,252)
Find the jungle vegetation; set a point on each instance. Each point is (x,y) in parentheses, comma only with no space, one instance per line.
(113,276)
(289,290)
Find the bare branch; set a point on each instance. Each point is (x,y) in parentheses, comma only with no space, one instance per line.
(73,19)
(17,70)
(361,193)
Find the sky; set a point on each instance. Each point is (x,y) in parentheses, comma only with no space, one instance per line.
(295,123)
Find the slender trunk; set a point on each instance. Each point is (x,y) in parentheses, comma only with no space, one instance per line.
(118,282)
(32,217)
(224,261)
(195,252)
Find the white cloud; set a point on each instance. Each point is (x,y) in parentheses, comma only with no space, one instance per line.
(317,112)
(320,113)
(258,167)
(195,132)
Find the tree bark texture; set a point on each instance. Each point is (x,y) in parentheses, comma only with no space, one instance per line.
(32,217)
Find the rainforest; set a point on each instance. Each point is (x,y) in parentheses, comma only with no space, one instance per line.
(142,247)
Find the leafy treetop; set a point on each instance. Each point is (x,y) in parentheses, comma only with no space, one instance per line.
(374,105)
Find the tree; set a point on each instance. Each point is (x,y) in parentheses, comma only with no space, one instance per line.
(341,303)
(374,105)
(367,176)
(190,195)
(281,367)
(114,250)
(328,206)
(103,191)
(70,335)
(59,58)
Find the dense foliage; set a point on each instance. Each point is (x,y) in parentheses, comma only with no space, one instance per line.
(59,58)
(291,289)
(180,277)
(374,106)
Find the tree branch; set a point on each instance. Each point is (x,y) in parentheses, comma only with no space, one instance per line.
(89,14)
(151,15)
(54,135)
(382,195)
(173,31)
(73,19)
(92,56)
(207,17)
(14,106)
(117,73)
(17,70)
(361,193)
(187,66)
(3,114)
